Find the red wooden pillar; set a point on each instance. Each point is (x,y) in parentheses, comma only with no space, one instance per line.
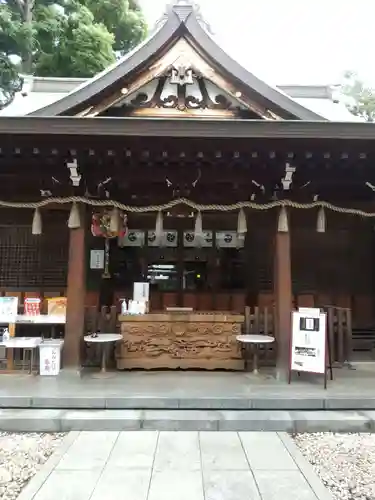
(283,294)
(76,291)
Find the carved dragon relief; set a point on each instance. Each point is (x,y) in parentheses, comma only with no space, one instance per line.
(169,344)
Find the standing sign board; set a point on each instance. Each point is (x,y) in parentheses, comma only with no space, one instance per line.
(49,358)
(8,309)
(309,345)
(141,292)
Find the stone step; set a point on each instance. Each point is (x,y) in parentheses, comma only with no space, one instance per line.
(55,420)
(132,402)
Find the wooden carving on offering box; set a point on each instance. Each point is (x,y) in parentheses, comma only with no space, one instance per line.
(206,341)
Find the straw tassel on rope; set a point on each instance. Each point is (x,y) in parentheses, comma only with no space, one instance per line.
(283,226)
(321,221)
(241,223)
(159,231)
(36,228)
(74,221)
(198,229)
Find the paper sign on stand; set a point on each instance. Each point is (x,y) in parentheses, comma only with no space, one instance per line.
(49,358)
(309,343)
(141,292)
(31,307)
(8,309)
(97,259)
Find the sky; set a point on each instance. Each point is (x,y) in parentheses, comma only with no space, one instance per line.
(291,41)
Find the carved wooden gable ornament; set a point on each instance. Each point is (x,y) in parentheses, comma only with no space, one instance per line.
(181,84)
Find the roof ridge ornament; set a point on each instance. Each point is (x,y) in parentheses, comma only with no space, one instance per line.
(182,9)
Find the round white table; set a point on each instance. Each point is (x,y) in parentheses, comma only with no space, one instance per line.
(103,338)
(255,341)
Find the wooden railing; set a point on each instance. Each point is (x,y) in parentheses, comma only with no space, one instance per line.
(339,329)
(260,321)
(104,321)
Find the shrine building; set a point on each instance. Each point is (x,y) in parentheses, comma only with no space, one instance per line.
(178,167)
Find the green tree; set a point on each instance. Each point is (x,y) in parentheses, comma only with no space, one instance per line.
(10,81)
(123,18)
(69,41)
(360,97)
(11,41)
(71,38)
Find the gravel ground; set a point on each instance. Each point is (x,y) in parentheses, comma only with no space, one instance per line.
(344,462)
(21,456)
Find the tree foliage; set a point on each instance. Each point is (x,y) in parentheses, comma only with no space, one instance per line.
(71,38)
(360,97)
(10,81)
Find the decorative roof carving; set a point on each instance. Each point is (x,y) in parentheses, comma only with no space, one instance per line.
(173,92)
(182,75)
(181,83)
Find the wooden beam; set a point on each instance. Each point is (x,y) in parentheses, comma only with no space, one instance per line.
(362,134)
(283,301)
(76,291)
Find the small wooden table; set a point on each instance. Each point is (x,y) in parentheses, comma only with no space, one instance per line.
(103,338)
(254,340)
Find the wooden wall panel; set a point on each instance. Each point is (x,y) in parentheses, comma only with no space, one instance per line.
(266,299)
(91,299)
(363,308)
(336,266)
(238,302)
(190,300)
(206,302)
(156,301)
(222,302)
(305,300)
(170,300)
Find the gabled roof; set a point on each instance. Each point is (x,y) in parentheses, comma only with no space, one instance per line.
(39,92)
(181,22)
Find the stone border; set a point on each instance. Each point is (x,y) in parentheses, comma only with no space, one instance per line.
(253,402)
(37,481)
(52,420)
(307,470)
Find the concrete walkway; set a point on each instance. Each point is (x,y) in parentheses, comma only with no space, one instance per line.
(155,465)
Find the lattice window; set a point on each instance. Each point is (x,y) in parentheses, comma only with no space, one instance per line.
(19,257)
(28,261)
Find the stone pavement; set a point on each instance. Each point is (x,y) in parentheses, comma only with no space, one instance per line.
(153,465)
(350,390)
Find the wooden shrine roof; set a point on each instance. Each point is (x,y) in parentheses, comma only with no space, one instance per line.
(182,24)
